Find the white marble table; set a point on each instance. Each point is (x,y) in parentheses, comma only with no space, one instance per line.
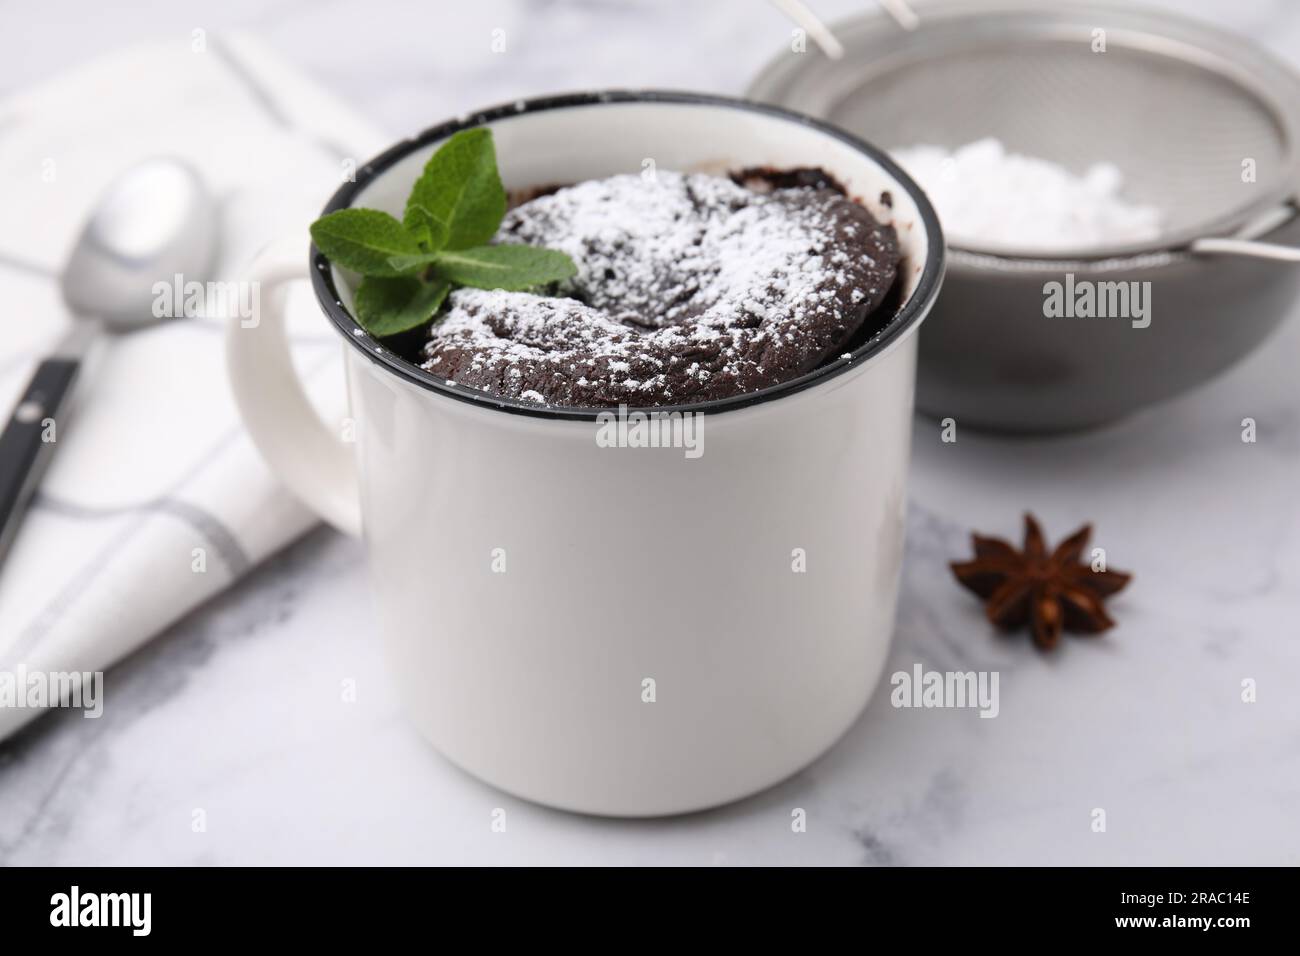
(237,710)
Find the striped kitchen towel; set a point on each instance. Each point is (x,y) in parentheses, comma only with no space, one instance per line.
(156,499)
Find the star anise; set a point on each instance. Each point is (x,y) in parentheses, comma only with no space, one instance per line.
(1047,591)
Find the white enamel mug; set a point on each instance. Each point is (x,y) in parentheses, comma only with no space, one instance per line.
(629,631)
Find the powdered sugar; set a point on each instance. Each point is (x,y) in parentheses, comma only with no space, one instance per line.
(988,198)
(661,251)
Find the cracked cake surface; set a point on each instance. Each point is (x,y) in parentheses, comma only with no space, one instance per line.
(690,287)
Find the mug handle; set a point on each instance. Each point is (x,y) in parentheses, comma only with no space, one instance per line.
(317,466)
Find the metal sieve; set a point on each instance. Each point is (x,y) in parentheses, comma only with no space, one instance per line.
(1177,107)
(1202,125)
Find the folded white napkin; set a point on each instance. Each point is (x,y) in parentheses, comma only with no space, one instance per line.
(156,499)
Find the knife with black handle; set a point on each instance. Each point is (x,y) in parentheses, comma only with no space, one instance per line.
(32,431)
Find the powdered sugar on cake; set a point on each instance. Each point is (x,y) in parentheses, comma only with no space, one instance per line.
(689,287)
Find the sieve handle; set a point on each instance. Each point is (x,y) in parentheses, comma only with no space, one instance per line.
(1244,245)
(802,14)
(1249,248)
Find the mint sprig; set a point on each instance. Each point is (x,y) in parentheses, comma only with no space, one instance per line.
(454,210)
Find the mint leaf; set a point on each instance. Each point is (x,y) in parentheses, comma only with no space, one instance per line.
(461,189)
(504,267)
(409,265)
(363,240)
(388,306)
(431,232)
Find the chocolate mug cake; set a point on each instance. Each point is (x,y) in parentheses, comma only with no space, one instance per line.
(690,287)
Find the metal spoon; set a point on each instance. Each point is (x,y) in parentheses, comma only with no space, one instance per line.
(155,222)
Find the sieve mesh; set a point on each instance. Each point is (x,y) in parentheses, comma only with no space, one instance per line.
(1178,132)
(1175,104)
